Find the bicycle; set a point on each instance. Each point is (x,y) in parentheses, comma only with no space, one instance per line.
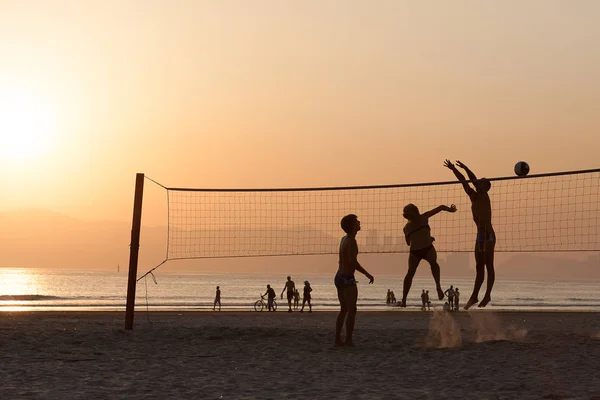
(262,303)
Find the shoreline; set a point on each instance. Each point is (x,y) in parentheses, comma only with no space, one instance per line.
(396,311)
(245,312)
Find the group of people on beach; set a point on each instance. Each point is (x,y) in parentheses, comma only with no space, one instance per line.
(451,304)
(390,297)
(417,233)
(293,295)
(453,299)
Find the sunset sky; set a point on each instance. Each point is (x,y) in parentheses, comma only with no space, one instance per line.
(286,93)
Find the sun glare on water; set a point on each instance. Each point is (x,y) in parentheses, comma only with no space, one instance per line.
(17,282)
(16,288)
(27,126)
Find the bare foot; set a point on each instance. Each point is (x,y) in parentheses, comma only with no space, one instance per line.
(470,303)
(338,343)
(485,301)
(402,304)
(440,293)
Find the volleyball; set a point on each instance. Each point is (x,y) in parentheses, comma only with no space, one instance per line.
(521,168)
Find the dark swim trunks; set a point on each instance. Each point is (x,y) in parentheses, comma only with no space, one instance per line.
(290,295)
(341,281)
(485,241)
(421,253)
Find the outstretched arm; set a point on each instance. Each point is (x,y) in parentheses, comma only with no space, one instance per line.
(436,210)
(470,173)
(448,164)
(286,285)
(353,249)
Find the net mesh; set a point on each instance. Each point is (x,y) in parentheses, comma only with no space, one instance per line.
(557,212)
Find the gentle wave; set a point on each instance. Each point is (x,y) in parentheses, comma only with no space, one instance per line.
(39,297)
(528,299)
(27,297)
(123,298)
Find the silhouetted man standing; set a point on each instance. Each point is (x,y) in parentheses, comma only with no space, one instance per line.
(344,280)
(291,289)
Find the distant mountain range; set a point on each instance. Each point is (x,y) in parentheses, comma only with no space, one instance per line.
(46,239)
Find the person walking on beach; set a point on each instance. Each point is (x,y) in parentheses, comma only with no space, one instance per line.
(306,296)
(270,293)
(291,288)
(388,297)
(345,282)
(427,301)
(485,241)
(456,299)
(423,297)
(418,236)
(217,299)
(450,293)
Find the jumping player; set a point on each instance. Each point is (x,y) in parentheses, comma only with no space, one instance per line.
(485,242)
(418,236)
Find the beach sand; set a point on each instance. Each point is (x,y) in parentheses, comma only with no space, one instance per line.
(236,355)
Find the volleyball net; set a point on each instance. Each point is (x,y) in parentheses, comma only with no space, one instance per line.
(555,212)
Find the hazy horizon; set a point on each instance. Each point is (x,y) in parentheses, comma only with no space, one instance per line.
(103,245)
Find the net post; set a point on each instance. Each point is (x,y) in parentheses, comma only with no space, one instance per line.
(134,249)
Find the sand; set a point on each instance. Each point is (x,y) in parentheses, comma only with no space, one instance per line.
(246,355)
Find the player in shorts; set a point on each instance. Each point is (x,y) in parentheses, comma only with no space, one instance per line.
(485,241)
(418,236)
(344,281)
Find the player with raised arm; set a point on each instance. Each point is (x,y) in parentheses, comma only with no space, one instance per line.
(485,241)
(418,236)
(344,280)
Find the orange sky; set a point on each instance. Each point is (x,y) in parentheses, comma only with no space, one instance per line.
(272,93)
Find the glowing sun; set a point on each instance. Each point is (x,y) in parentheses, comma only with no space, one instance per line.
(27,127)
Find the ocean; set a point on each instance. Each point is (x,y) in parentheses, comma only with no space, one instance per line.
(60,290)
